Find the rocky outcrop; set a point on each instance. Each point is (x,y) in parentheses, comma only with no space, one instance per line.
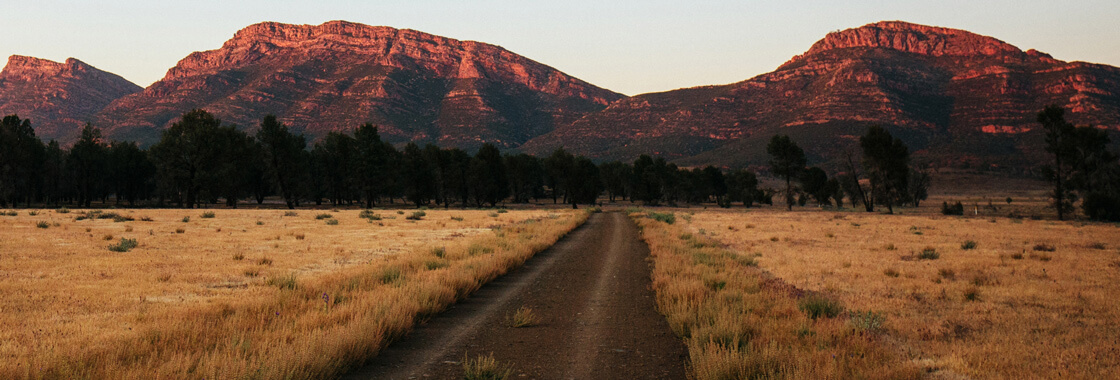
(956,97)
(58,97)
(338,75)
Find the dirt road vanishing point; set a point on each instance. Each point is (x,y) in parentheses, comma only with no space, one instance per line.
(597,318)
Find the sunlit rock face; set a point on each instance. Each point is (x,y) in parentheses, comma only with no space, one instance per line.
(58,97)
(338,75)
(957,98)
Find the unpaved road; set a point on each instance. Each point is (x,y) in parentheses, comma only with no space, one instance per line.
(591,292)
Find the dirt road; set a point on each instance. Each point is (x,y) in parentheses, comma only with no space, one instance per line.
(597,318)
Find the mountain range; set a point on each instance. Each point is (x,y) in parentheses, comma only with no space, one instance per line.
(956,98)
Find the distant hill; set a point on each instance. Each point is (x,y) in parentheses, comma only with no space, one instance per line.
(58,97)
(955,97)
(338,75)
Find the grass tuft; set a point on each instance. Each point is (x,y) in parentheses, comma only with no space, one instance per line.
(43,225)
(207,215)
(867,321)
(485,368)
(968,244)
(285,282)
(523,317)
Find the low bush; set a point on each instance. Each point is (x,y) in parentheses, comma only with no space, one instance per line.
(968,244)
(332,222)
(323,216)
(972,294)
(1044,247)
(666,217)
(817,306)
(929,253)
(43,225)
(208,215)
(369,214)
(124,245)
(956,209)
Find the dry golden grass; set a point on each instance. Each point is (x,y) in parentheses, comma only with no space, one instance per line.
(245,294)
(1006,308)
(738,325)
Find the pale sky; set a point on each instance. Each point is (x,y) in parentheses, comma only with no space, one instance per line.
(628,46)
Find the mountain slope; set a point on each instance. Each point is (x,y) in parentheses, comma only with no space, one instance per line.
(956,97)
(58,97)
(337,75)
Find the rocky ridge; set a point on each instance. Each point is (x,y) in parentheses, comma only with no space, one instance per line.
(57,97)
(335,76)
(956,97)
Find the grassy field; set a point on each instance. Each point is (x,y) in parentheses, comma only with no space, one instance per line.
(739,323)
(239,293)
(984,297)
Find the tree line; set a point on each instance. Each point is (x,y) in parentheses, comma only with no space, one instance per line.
(201,161)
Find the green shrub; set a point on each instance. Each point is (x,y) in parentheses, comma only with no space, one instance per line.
(929,253)
(1044,247)
(668,217)
(186,219)
(332,222)
(968,244)
(63,210)
(43,225)
(125,245)
(323,216)
(972,294)
(816,306)
(207,215)
(369,214)
(32,213)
